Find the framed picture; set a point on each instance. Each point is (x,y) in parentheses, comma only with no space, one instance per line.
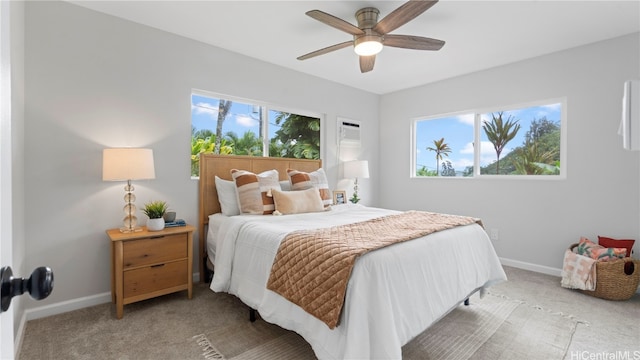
(339,197)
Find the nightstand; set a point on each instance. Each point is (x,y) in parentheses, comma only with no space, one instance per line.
(147,264)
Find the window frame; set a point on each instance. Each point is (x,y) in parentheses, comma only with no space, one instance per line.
(477,128)
(265,108)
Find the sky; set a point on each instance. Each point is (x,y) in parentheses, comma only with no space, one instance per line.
(458,134)
(242,117)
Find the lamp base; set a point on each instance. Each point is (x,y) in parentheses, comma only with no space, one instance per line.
(354,199)
(130,221)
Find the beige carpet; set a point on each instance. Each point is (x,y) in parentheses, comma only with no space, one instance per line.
(494,327)
(216,326)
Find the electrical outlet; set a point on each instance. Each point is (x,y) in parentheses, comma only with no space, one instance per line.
(494,234)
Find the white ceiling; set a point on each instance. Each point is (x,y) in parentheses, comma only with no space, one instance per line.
(478,34)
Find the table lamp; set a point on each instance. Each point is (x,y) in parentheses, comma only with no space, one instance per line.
(127,164)
(356,169)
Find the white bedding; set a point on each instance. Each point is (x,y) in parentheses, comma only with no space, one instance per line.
(213,226)
(393,295)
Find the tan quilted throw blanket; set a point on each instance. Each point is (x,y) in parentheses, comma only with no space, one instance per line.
(312,267)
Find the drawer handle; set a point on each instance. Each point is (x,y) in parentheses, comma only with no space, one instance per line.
(158,265)
(157,237)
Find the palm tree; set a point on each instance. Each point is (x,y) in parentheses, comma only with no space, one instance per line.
(441,148)
(500,133)
(249,144)
(202,134)
(298,137)
(531,160)
(223,109)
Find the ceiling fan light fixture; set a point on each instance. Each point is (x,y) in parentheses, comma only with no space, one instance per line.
(370,35)
(368,45)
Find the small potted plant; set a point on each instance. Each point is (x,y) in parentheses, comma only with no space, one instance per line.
(155,211)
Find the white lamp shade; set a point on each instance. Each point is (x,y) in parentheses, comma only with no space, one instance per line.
(356,169)
(121,164)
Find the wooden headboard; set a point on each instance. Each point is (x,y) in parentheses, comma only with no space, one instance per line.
(212,165)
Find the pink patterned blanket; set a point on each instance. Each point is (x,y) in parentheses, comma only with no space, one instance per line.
(578,272)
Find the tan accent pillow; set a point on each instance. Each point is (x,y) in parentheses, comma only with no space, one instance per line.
(297,202)
(317,179)
(254,191)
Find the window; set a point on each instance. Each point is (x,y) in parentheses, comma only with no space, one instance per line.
(223,125)
(444,146)
(523,141)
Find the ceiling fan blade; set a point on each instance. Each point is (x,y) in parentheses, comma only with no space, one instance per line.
(335,22)
(402,15)
(413,42)
(366,63)
(326,50)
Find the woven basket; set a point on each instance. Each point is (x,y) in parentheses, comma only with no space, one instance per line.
(612,283)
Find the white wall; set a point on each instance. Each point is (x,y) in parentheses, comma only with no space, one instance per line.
(536,219)
(96,81)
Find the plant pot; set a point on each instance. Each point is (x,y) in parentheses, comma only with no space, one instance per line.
(155,224)
(169,216)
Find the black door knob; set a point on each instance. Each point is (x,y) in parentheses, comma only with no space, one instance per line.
(39,285)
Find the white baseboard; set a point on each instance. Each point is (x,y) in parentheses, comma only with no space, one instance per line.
(537,268)
(531,267)
(66,306)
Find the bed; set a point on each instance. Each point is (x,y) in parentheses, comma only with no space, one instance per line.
(393,294)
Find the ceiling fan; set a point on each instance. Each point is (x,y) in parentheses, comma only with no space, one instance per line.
(370,35)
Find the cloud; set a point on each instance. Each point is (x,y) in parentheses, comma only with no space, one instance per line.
(551,109)
(246,120)
(205,108)
(467,149)
(528,113)
(467,119)
(462,163)
(487,152)
(485,147)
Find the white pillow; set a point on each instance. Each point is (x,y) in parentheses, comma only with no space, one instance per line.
(227,197)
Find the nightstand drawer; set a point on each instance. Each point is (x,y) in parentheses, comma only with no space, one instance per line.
(154,250)
(156,277)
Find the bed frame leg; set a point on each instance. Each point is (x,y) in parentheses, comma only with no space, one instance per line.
(208,274)
(466,302)
(252,315)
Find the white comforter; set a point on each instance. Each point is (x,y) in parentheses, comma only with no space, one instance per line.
(393,295)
